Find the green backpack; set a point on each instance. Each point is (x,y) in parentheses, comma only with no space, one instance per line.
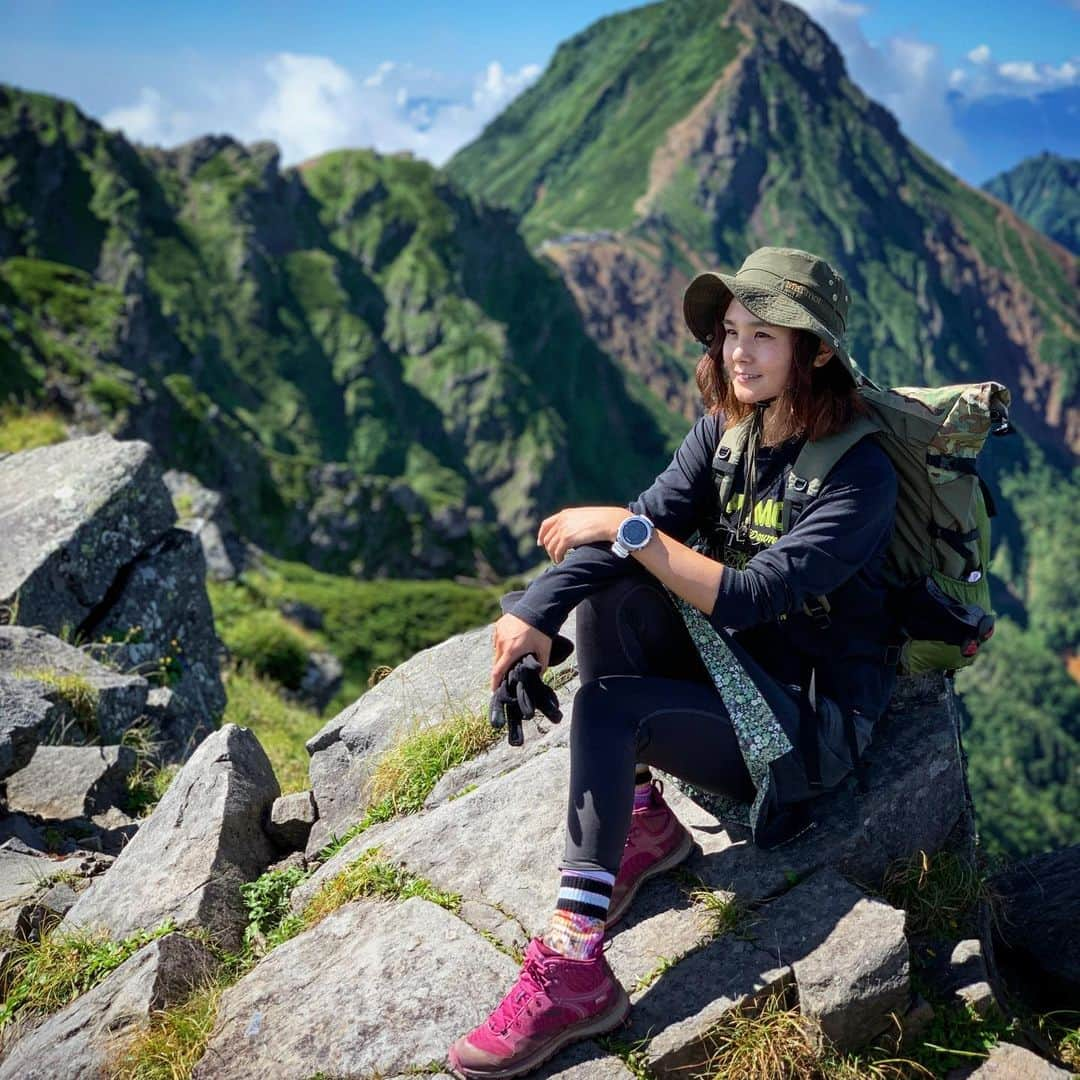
(937,561)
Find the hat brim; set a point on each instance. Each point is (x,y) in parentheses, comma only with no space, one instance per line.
(710,293)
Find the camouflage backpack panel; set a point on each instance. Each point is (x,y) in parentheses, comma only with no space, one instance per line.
(933,436)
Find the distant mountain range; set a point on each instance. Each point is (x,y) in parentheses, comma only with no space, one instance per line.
(353,350)
(394,370)
(1045,192)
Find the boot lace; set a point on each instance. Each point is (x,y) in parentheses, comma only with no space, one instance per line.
(532,981)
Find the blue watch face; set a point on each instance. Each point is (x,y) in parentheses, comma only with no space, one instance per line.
(634,532)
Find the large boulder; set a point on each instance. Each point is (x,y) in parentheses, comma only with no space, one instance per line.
(117,702)
(411,978)
(1037,944)
(83,1039)
(449,679)
(163,595)
(74,515)
(64,782)
(189,858)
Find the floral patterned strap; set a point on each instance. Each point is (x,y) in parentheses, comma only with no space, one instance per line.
(761,738)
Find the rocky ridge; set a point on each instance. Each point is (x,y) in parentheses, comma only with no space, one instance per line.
(814,930)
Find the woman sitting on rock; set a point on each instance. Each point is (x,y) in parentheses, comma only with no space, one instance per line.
(746,655)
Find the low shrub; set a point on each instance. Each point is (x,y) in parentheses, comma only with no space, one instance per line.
(269,644)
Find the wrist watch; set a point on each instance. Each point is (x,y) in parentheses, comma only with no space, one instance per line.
(634,533)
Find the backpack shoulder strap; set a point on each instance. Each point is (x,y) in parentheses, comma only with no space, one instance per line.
(814,463)
(726,460)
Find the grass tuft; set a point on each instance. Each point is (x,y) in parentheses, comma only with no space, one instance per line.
(938,892)
(370,876)
(49,973)
(721,912)
(148,780)
(80,696)
(175,1040)
(767,1042)
(408,772)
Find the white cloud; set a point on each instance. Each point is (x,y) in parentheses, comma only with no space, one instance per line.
(903,73)
(150,119)
(1014,78)
(980,54)
(311,104)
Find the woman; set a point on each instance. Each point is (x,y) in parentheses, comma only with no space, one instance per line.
(704,646)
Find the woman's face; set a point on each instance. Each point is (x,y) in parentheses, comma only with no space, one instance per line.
(757,355)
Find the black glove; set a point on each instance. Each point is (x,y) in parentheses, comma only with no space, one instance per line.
(518,697)
(523,691)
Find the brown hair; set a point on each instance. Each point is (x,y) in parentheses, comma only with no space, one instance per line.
(819,401)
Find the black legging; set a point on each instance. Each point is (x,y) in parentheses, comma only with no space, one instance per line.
(645,697)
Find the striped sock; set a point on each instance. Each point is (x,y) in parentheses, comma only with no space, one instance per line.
(577,928)
(643,795)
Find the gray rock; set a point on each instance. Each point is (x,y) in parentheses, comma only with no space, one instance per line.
(80,1040)
(74,514)
(971,981)
(24,878)
(848,953)
(120,698)
(678,1010)
(1010,1062)
(1037,945)
(164,594)
(15,826)
(291,818)
(59,898)
(446,680)
(401,969)
(63,782)
(322,679)
(202,512)
(516,821)
(311,618)
(203,840)
(25,714)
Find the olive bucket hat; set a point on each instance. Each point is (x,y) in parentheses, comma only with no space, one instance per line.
(782,286)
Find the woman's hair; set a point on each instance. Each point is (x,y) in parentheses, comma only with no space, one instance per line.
(819,401)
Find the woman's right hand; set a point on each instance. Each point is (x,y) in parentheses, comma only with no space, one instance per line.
(513,639)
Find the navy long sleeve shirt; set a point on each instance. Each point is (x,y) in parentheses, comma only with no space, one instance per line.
(836,548)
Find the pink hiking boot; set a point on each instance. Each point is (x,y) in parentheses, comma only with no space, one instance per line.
(657,841)
(554,1002)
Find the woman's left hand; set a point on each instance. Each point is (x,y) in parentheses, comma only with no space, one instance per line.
(579,525)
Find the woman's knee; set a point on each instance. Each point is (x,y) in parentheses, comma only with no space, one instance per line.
(624,629)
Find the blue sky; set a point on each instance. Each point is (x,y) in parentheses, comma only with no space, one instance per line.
(427,75)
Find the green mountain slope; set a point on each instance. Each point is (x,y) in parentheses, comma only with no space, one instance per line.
(370,363)
(769,142)
(1045,192)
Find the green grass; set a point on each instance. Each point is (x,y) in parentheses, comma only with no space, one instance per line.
(55,970)
(367,624)
(75,690)
(940,893)
(149,779)
(24,429)
(171,1045)
(267,643)
(282,727)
